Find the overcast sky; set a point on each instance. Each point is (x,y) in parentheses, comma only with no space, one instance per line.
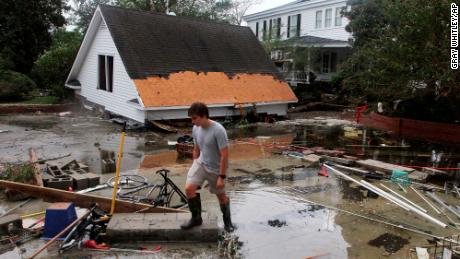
(267,4)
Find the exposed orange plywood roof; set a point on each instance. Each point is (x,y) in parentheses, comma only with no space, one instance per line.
(185,88)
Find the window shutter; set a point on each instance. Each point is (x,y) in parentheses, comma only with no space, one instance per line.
(289,26)
(278,33)
(270,29)
(257,29)
(298,25)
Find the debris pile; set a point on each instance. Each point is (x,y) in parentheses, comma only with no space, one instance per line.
(71,175)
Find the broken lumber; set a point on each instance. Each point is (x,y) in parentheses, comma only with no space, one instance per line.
(164,127)
(311,158)
(339,160)
(33,159)
(382,166)
(83,200)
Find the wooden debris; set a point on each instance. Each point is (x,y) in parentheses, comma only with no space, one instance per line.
(164,127)
(339,160)
(329,152)
(432,171)
(33,159)
(382,166)
(311,158)
(418,176)
(82,200)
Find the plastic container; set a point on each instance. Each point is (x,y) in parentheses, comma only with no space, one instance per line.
(57,217)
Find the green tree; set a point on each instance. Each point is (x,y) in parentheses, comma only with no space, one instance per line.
(24,30)
(401,50)
(52,67)
(83,11)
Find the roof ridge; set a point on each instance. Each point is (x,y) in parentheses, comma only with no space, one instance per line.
(172,16)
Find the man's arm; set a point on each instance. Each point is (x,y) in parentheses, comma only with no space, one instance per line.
(223,160)
(196,152)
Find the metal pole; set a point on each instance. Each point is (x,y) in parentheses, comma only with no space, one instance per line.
(15,207)
(427,201)
(438,200)
(376,220)
(117,173)
(402,197)
(65,230)
(390,197)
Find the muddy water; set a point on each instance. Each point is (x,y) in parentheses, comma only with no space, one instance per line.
(268,192)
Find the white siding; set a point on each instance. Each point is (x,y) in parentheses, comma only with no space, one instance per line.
(272,109)
(123,87)
(308,21)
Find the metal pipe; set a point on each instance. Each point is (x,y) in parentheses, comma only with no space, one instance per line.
(389,197)
(402,188)
(117,173)
(402,197)
(438,200)
(427,201)
(385,195)
(377,220)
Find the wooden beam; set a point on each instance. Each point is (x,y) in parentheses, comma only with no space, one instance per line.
(83,200)
(382,166)
(33,159)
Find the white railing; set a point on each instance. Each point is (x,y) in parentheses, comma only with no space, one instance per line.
(296,76)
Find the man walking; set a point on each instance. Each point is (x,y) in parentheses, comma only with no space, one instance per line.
(210,162)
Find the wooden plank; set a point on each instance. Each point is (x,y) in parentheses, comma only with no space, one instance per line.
(382,166)
(33,159)
(82,200)
(432,171)
(339,160)
(164,127)
(311,158)
(418,176)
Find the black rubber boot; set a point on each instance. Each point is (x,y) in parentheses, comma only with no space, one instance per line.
(228,226)
(194,205)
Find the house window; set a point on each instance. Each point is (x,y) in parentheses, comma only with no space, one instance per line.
(293,26)
(338,16)
(329,62)
(328,18)
(105,73)
(275,28)
(257,29)
(319,19)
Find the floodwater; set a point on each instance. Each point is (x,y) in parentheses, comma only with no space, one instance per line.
(274,197)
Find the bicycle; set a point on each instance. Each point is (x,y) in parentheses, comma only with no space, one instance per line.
(167,193)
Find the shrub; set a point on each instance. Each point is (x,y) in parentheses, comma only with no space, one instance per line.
(52,67)
(14,86)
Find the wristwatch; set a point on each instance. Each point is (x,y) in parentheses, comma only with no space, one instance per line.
(222,176)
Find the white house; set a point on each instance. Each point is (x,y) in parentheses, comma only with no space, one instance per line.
(148,66)
(306,23)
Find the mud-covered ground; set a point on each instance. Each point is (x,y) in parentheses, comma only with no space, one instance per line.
(271,194)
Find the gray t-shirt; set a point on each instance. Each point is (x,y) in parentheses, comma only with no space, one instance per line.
(210,140)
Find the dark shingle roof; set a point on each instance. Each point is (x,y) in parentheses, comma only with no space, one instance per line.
(157,44)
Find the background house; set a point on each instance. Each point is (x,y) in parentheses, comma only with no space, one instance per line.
(310,30)
(149,66)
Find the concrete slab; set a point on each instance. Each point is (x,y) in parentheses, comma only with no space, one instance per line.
(160,227)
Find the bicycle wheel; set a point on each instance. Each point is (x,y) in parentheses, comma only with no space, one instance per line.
(128,181)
